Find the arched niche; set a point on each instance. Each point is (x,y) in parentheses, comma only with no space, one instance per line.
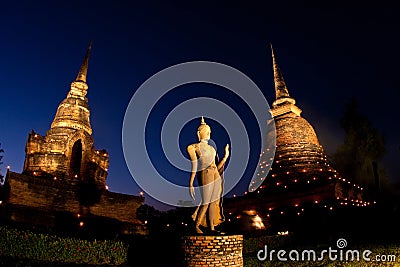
(76,158)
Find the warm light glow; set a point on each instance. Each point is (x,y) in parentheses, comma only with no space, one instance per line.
(78,215)
(81,224)
(106,187)
(283,233)
(55,178)
(141,193)
(257,222)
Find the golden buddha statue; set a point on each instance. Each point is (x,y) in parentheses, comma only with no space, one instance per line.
(209,172)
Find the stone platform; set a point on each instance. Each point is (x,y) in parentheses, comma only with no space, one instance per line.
(202,251)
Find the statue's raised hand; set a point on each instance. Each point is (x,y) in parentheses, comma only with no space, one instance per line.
(226,151)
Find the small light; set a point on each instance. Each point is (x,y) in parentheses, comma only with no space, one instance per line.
(36,135)
(78,215)
(97,152)
(282,212)
(55,178)
(1,202)
(145,222)
(8,167)
(76,175)
(331,208)
(167,224)
(141,193)
(106,187)
(81,224)
(31,151)
(104,154)
(316,201)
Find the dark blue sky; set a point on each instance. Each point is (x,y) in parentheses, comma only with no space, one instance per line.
(326,55)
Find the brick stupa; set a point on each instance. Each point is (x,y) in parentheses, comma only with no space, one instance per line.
(64,176)
(301,173)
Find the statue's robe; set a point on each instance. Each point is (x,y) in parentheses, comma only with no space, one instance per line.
(219,215)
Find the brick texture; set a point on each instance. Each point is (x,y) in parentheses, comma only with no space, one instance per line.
(202,251)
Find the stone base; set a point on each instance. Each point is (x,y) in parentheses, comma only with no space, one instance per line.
(213,250)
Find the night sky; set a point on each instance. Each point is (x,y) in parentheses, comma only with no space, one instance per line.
(326,54)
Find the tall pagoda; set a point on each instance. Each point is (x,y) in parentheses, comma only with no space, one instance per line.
(63,183)
(301,173)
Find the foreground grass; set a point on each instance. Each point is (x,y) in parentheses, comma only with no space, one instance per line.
(27,246)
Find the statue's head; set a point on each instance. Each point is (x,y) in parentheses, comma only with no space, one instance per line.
(203,131)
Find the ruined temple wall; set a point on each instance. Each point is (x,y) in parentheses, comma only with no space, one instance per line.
(51,195)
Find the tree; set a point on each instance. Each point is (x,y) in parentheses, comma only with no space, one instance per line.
(363,147)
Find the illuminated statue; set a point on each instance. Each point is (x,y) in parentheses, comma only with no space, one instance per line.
(205,163)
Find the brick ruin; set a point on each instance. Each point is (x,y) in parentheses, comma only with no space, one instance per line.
(301,173)
(64,176)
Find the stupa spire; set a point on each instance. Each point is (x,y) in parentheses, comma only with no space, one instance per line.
(280,85)
(82,74)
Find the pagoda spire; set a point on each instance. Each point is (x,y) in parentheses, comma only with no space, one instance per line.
(281,90)
(82,74)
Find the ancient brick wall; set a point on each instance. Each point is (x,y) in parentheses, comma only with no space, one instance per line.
(52,195)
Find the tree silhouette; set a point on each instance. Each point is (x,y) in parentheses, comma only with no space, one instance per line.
(363,147)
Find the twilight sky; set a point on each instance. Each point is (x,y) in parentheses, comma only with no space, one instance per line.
(327,55)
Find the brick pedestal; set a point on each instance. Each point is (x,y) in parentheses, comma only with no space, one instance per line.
(202,251)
